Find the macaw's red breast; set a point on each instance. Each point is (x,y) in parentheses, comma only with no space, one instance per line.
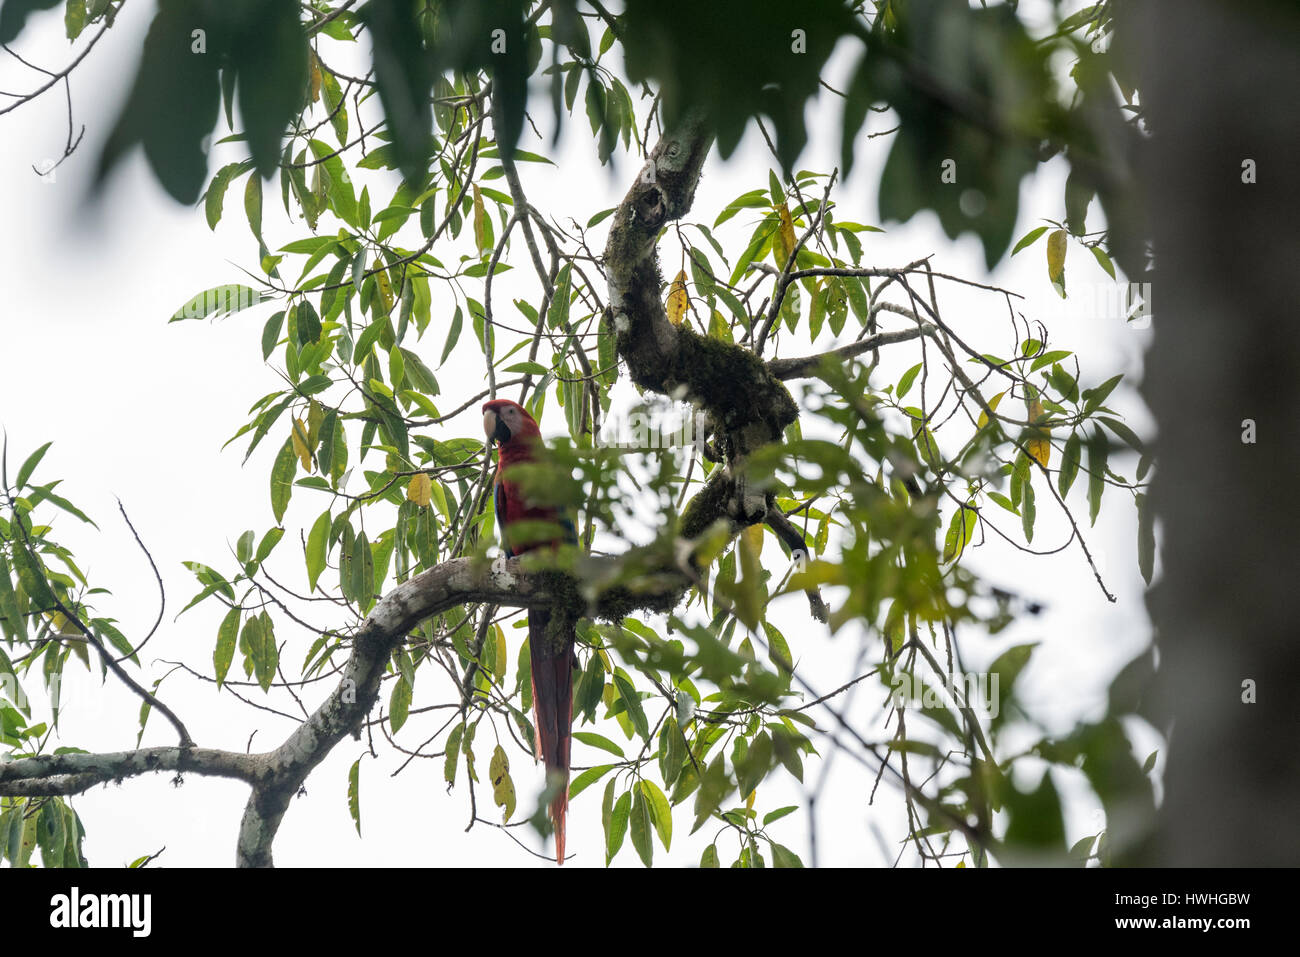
(519,441)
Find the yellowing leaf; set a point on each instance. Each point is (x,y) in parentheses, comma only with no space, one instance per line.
(993,404)
(62,625)
(1056,243)
(1040,446)
(300,446)
(383,286)
(500,663)
(718,328)
(754,538)
(783,241)
(315,78)
(749,801)
(503,789)
(420,491)
(315,416)
(678,301)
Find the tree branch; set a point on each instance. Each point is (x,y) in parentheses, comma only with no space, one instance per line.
(808,365)
(748,406)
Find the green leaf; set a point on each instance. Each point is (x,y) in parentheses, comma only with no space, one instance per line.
(338,110)
(588,778)
(453,334)
(1028,512)
(253,204)
(1047,358)
(308,324)
(363,572)
(453,752)
(217,302)
(224,652)
(782,856)
(215,196)
(755,764)
(244,546)
(354,794)
(1098,452)
(1104,260)
(640,822)
(29,466)
(1069,463)
(1124,432)
(282,473)
(960,530)
(905,383)
(342,197)
(557,316)
(599,741)
(267,544)
(51,836)
(254,643)
(633,702)
(779,813)
(74,18)
(1095,397)
(317,548)
(616,823)
(15,621)
(1028,239)
(661,814)
(271,334)
(399,704)
(1146,537)
(72,856)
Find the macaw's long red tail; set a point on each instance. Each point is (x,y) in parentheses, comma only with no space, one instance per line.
(552,662)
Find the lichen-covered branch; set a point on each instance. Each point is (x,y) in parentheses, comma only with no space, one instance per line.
(748,406)
(611,588)
(74,773)
(280,773)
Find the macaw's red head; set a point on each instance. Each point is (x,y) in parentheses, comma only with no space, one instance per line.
(508,423)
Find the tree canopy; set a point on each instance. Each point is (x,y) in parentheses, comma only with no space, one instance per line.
(765,445)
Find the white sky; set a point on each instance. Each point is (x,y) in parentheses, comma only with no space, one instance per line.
(138,409)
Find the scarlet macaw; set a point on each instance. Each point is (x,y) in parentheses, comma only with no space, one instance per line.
(523,527)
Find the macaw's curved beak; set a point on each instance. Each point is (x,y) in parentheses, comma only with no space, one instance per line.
(494,428)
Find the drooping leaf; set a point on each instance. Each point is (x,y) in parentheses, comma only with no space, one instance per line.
(1056,246)
(282,473)
(354,794)
(678,301)
(224,652)
(217,302)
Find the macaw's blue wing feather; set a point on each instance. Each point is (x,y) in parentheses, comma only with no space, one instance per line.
(570,533)
(499,503)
